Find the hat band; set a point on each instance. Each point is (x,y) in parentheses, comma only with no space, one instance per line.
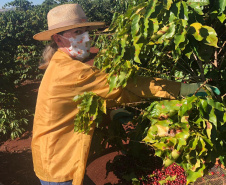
(68,23)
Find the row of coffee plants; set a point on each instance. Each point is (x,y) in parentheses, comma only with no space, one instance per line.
(19,60)
(177,40)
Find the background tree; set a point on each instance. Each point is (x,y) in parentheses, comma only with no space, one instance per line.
(20,4)
(19,60)
(49,3)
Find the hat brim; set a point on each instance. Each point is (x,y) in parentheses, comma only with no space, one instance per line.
(46,35)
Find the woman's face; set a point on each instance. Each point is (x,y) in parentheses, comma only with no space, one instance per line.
(71,45)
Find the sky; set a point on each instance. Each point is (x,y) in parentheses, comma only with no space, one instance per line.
(35,2)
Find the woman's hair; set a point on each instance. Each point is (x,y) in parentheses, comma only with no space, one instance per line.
(47,54)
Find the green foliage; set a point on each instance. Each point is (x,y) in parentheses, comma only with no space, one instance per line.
(101,40)
(90,113)
(12,118)
(18,50)
(19,60)
(189,132)
(174,37)
(20,4)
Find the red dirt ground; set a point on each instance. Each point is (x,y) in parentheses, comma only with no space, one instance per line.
(17,169)
(16,166)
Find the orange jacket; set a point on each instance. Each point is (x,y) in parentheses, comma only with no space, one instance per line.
(59,153)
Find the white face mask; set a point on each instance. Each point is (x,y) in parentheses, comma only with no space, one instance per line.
(80,46)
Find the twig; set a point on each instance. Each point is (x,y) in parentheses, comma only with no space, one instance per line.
(135,108)
(149,70)
(222,60)
(200,66)
(222,47)
(135,104)
(102,34)
(195,57)
(224,95)
(215,59)
(204,83)
(169,56)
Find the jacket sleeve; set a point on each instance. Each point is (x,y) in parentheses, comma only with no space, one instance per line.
(142,87)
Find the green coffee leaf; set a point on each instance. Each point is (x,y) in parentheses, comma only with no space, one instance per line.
(163,128)
(203,107)
(168,34)
(182,135)
(175,9)
(217,105)
(185,10)
(154,26)
(77,98)
(193,143)
(89,100)
(137,52)
(222,17)
(201,147)
(123,41)
(160,146)
(91,109)
(149,10)
(222,5)
(167,162)
(207,141)
(135,27)
(112,82)
(175,154)
(188,51)
(167,4)
(179,38)
(210,35)
(213,118)
(195,31)
(200,2)
(187,105)
(195,6)
(161,32)
(103,105)
(181,143)
(197,165)
(192,176)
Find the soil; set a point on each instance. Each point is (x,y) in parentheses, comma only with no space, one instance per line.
(16,167)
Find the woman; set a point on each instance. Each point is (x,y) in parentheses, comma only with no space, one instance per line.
(59,153)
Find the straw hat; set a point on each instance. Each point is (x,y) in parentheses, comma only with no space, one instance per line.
(65,17)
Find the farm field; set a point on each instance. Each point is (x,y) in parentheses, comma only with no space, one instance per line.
(169,56)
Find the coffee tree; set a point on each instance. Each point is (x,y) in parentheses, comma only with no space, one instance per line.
(19,60)
(177,40)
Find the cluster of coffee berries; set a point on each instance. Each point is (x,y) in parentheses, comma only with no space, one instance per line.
(172,175)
